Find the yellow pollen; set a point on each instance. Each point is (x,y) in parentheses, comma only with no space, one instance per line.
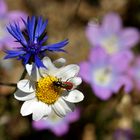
(46,91)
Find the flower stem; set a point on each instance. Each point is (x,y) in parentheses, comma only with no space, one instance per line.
(23,74)
(8,84)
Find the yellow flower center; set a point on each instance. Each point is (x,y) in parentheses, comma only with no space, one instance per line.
(46,91)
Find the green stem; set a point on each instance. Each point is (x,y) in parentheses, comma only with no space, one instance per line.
(23,74)
(8,84)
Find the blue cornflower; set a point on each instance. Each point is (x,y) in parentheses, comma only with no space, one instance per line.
(32,41)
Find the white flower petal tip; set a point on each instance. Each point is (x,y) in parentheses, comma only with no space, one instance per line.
(59,62)
(46,60)
(74,96)
(59,109)
(26,108)
(40,110)
(25,86)
(48,63)
(22,96)
(69,107)
(33,72)
(67,72)
(76,81)
(29,68)
(74,68)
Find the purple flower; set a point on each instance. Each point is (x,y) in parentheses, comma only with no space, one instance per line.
(134,72)
(106,74)
(111,36)
(123,134)
(6,18)
(59,126)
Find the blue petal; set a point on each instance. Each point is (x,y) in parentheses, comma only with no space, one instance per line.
(40,27)
(38,62)
(12,54)
(26,58)
(36,35)
(30,25)
(17,34)
(59,50)
(56,46)
(43,40)
(14,51)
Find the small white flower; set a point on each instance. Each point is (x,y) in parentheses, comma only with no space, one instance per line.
(42,96)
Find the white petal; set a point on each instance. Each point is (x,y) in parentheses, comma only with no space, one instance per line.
(69,107)
(40,110)
(33,72)
(44,72)
(76,81)
(59,62)
(74,96)
(29,68)
(27,107)
(59,109)
(67,72)
(26,86)
(23,96)
(50,67)
(45,118)
(48,63)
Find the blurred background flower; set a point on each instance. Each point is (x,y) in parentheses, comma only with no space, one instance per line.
(106,74)
(6,17)
(121,134)
(111,36)
(104,39)
(59,126)
(134,72)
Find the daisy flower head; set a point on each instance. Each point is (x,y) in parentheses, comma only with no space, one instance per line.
(111,36)
(106,74)
(51,89)
(7,41)
(54,122)
(32,40)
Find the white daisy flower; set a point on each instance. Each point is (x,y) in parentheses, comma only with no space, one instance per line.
(51,89)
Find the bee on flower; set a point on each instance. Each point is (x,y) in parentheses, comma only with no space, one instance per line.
(43,96)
